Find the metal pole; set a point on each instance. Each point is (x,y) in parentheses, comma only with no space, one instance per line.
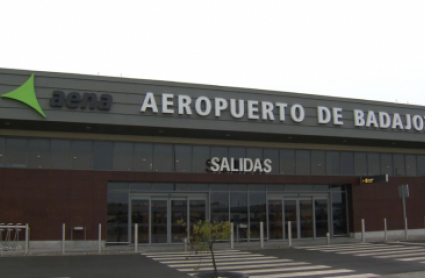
(26,238)
(232,237)
(328,238)
(406,230)
(63,238)
(136,237)
(289,234)
(100,238)
(237,233)
(363,231)
(261,235)
(185,244)
(385,230)
(405,217)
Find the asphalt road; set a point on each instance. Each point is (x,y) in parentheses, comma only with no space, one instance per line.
(380,259)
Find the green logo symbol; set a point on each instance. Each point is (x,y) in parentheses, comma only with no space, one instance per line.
(26,94)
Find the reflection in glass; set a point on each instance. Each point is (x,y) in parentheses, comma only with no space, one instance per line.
(201,154)
(117,217)
(183,158)
(17,152)
(339,213)
(411,165)
(178,213)
(123,156)
(140,215)
(219,202)
(360,164)
(347,163)
(291,215)
(239,214)
(82,155)
(373,165)
(318,163)
(2,152)
(332,163)
(287,162)
(38,153)
(159,221)
(257,212)
(302,158)
(275,219)
(142,157)
(399,169)
(306,218)
(197,211)
(321,214)
(102,155)
(162,158)
(61,157)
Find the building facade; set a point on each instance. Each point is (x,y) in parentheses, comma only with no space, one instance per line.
(84,150)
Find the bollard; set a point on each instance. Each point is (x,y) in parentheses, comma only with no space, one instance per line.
(406,231)
(185,244)
(136,237)
(363,231)
(261,235)
(63,238)
(328,239)
(289,234)
(100,238)
(385,230)
(26,239)
(232,237)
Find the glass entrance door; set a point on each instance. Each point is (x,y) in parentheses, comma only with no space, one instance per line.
(308,216)
(159,219)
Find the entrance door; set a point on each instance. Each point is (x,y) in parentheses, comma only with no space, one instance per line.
(160,219)
(308,216)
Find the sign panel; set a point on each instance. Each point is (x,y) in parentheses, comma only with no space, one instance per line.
(374,179)
(403,191)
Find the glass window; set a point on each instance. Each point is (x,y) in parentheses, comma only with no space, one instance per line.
(118,186)
(421,165)
(219,152)
(321,187)
(168,187)
(39,153)
(60,153)
(299,187)
(142,187)
(257,212)
(117,217)
(373,165)
(256,187)
(236,153)
(219,187)
(183,158)
(273,154)
(287,162)
(123,156)
(302,163)
(219,202)
(162,158)
(411,165)
(17,152)
(201,156)
(386,164)
(102,155)
(360,164)
(317,163)
(339,213)
(398,160)
(82,152)
(2,152)
(347,164)
(181,187)
(332,163)
(275,187)
(239,214)
(238,187)
(254,153)
(142,157)
(198,187)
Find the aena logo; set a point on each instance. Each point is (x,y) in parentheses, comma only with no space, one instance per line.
(26,94)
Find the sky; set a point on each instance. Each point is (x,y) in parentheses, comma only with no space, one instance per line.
(371,49)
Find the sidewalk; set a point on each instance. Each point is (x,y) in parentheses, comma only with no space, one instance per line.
(145,248)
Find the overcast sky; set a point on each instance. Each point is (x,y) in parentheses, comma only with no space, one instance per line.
(357,49)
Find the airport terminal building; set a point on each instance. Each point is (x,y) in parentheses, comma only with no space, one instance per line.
(84,150)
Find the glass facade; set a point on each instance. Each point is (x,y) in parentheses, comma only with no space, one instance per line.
(313,210)
(157,157)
